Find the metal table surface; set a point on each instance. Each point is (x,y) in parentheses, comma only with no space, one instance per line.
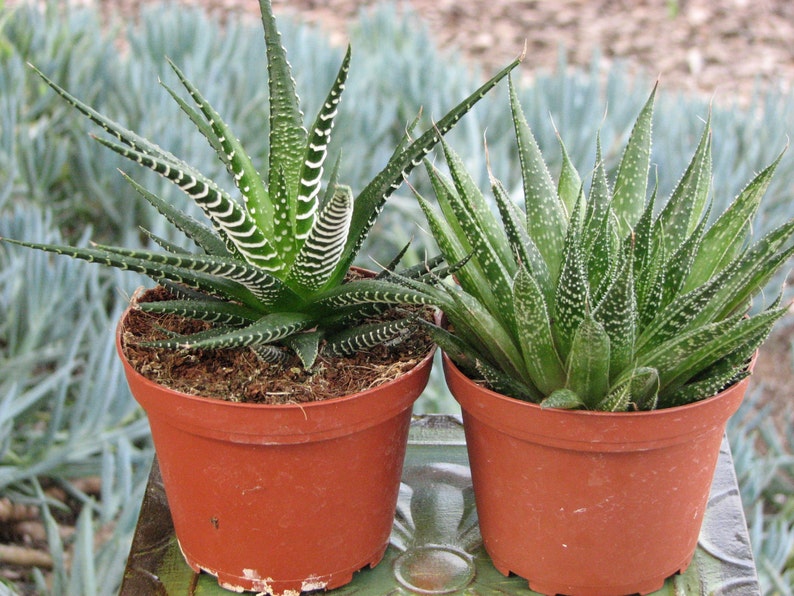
(435,543)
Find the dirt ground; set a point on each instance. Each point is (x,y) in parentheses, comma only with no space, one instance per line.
(717,47)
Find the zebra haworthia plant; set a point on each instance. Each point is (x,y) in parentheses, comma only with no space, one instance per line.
(603,302)
(270,271)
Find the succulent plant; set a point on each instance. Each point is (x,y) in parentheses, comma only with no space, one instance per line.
(270,270)
(608,301)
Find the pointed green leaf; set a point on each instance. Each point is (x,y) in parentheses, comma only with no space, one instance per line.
(306,345)
(588,362)
(229,218)
(320,253)
(267,288)
(603,254)
(113,128)
(234,157)
(617,400)
(202,235)
(726,237)
(730,338)
(617,312)
(563,399)
(366,336)
(370,201)
(157,270)
(316,153)
(704,389)
(370,291)
(631,184)
(569,184)
(473,363)
(546,219)
(534,334)
(749,273)
(471,320)
(485,233)
(685,208)
(524,250)
(212,311)
(487,239)
(637,389)
(268,329)
(288,137)
(679,265)
(572,297)
(270,354)
(455,247)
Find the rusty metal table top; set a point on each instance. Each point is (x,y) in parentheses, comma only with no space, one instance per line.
(435,534)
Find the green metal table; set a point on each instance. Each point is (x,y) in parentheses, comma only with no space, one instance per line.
(435,543)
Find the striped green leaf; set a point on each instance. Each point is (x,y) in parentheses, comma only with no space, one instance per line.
(265,330)
(234,157)
(113,128)
(288,137)
(267,288)
(322,249)
(199,280)
(370,291)
(238,229)
(200,234)
(370,201)
(364,337)
(212,311)
(315,154)
(306,345)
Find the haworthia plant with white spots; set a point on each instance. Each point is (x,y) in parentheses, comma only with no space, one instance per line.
(270,267)
(612,304)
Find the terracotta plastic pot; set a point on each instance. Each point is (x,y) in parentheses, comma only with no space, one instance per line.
(279,499)
(590,503)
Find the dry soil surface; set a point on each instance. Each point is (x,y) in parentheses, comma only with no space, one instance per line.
(716,47)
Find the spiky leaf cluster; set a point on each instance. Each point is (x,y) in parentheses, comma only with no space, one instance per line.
(269,272)
(602,301)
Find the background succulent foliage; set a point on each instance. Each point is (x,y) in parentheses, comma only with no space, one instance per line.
(67,403)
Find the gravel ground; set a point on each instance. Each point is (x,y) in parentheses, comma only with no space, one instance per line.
(717,47)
